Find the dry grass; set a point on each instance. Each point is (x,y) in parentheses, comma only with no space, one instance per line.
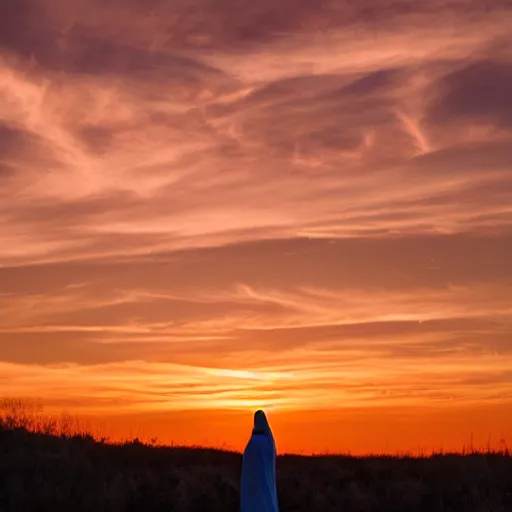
(48,464)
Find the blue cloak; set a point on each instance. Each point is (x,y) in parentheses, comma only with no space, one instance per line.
(258,487)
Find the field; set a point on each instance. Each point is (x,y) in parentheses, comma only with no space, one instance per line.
(46,467)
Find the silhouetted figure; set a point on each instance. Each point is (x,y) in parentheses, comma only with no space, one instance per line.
(258,489)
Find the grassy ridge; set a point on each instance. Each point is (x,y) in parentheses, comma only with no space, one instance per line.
(53,464)
(73,472)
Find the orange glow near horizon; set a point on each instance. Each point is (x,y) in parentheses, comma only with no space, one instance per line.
(304,207)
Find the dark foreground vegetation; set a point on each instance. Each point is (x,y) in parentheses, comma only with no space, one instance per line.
(62,471)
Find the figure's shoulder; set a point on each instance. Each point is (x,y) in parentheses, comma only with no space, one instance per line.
(261,442)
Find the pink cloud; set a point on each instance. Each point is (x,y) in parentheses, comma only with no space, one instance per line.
(323,185)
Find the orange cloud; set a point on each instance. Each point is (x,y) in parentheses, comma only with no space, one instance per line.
(299,206)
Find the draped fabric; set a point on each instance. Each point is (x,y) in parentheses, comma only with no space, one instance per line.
(258,488)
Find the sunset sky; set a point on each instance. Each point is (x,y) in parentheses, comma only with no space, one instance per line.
(211,206)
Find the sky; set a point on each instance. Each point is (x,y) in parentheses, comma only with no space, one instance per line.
(208,207)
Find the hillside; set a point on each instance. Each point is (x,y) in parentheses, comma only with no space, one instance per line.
(41,472)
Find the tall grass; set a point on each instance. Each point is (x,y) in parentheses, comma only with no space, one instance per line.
(28,415)
(53,464)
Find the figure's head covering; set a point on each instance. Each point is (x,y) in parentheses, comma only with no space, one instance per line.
(261,425)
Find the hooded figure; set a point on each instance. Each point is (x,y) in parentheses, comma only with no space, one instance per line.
(258,488)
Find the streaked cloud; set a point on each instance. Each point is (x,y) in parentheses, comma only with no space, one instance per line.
(297,205)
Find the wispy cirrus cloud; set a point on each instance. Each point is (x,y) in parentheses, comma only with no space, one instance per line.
(301,191)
